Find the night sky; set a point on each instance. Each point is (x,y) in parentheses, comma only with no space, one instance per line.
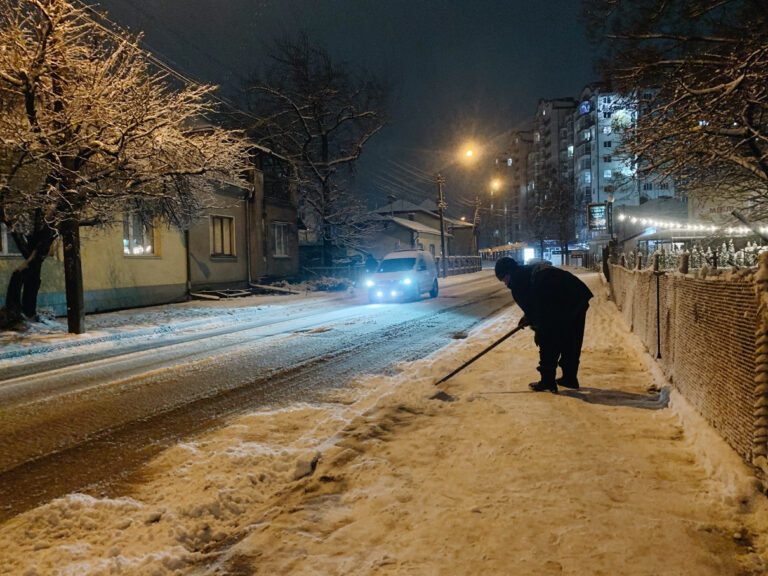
(461,69)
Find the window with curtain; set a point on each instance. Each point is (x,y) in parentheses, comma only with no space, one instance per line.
(7,245)
(138,237)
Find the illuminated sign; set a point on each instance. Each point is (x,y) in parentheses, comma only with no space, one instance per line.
(597,216)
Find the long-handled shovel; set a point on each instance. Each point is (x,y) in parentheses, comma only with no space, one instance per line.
(476,356)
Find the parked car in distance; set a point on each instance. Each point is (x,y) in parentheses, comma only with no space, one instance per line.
(403,275)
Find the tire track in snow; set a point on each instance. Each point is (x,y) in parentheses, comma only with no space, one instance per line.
(122,426)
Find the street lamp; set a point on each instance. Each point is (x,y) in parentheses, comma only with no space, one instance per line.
(468,157)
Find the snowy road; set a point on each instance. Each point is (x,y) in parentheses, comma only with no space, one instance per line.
(118,402)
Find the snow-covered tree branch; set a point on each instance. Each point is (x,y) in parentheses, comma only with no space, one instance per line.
(88,129)
(698,69)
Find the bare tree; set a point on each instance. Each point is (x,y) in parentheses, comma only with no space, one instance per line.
(697,69)
(552,211)
(88,130)
(319,114)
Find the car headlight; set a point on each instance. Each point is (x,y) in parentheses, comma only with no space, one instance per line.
(406,280)
(370,283)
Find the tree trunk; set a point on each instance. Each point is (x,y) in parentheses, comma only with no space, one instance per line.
(31,288)
(327,247)
(10,314)
(73,277)
(25,281)
(327,231)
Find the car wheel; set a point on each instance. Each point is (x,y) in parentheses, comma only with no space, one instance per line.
(433,292)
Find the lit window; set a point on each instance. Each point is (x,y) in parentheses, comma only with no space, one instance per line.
(607,129)
(608,174)
(587,177)
(138,236)
(570,151)
(222,236)
(587,135)
(7,245)
(280,239)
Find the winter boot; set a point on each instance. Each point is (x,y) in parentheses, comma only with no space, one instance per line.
(572,383)
(547,381)
(543,386)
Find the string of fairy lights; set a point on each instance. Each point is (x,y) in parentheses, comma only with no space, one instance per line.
(675,226)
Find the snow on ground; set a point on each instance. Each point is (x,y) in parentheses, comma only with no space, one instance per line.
(49,336)
(383,478)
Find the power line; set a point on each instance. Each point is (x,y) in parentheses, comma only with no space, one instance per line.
(125,35)
(418,173)
(183,40)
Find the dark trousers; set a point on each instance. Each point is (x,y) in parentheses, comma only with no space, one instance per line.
(562,346)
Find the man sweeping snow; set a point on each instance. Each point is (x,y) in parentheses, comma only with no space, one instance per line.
(554,304)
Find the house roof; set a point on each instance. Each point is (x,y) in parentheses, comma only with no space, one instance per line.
(415,226)
(427,207)
(405,206)
(458,223)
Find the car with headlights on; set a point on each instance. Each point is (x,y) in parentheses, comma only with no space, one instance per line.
(403,275)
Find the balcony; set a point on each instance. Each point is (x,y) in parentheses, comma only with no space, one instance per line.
(584,122)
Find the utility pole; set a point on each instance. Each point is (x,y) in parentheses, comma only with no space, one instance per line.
(476,226)
(441,206)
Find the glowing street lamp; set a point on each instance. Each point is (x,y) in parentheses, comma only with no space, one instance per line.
(469,155)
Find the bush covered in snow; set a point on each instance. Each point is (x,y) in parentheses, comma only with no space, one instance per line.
(707,260)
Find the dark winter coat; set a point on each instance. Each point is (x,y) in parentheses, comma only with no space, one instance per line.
(549,297)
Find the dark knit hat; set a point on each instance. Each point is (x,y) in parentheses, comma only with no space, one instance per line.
(504,267)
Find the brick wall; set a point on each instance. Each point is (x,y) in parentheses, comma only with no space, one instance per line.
(706,338)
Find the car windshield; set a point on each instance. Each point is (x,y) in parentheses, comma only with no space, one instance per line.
(397,264)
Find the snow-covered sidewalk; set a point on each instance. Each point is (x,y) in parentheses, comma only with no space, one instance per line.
(384,478)
(49,337)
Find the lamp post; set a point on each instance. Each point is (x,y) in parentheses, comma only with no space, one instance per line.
(469,157)
(441,206)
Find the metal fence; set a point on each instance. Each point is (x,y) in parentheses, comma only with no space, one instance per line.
(460,265)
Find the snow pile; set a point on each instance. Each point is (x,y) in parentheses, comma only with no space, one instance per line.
(386,478)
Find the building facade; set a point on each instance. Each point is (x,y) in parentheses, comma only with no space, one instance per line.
(604,175)
(249,235)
